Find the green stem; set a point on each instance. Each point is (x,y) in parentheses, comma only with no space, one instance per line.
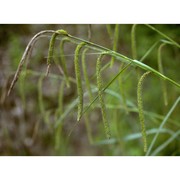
(122,58)
(115,42)
(162,34)
(164,88)
(133,41)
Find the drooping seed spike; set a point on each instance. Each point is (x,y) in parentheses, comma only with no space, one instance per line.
(84,67)
(140,108)
(50,52)
(101,99)
(78,80)
(63,61)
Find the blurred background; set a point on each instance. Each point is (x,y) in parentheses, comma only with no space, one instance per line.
(27,128)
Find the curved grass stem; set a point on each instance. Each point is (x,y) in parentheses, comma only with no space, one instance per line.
(26,55)
(73,39)
(115,42)
(160,66)
(164,35)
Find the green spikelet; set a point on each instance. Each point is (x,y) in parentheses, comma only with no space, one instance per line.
(100,93)
(50,52)
(160,67)
(51,47)
(62,32)
(78,80)
(40,95)
(140,108)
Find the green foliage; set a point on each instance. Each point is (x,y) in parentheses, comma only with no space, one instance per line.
(133,42)
(160,128)
(114,88)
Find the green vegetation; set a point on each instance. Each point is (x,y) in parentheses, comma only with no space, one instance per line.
(132,110)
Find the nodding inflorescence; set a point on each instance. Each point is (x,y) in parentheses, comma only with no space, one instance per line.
(140,108)
(63,61)
(101,99)
(78,79)
(84,68)
(81,43)
(51,47)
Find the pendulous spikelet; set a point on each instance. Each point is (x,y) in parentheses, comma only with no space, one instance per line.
(100,93)
(140,108)
(78,80)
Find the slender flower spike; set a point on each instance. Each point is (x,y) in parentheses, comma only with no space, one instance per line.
(50,52)
(78,80)
(100,93)
(140,107)
(51,47)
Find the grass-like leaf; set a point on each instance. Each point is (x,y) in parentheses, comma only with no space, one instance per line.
(133,136)
(160,66)
(161,125)
(115,42)
(133,41)
(166,143)
(164,35)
